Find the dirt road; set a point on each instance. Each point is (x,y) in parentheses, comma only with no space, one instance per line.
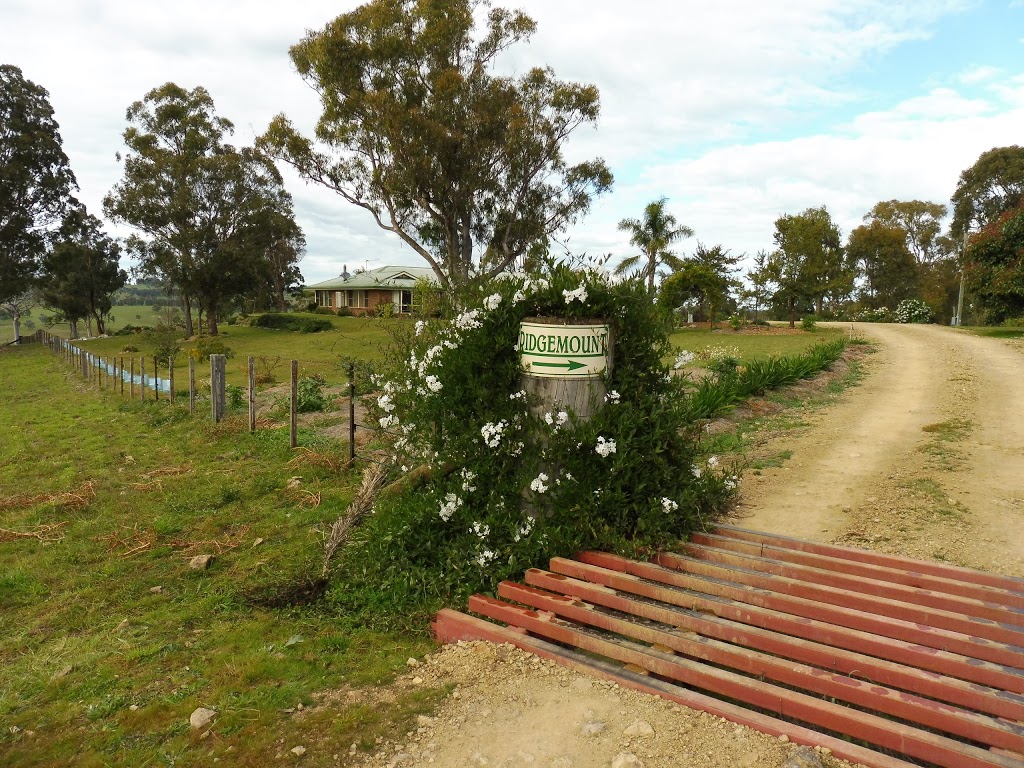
(926,458)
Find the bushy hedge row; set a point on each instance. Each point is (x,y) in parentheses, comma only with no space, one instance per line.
(279,322)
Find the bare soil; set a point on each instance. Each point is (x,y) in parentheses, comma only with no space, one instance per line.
(926,459)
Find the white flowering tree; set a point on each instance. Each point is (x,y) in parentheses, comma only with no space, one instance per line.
(502,487)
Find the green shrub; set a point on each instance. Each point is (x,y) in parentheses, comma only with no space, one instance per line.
(209,345)
(1014,322)
(164,345)
(809,322)
(913,311)
(280,322)
(504,487)
(235,396)
(324,311)
(736,322)
(309,396)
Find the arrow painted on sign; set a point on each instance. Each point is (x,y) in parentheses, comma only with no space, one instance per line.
(572,365)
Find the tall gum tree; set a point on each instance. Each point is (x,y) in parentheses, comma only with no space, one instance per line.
(419,131)
(989,188)
(36,181)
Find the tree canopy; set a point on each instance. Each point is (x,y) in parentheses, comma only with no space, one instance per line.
(653,233)
(995,267)
(81,272)
(35,178)
(888,266)
(417,130)
(989,188)
(809,261)
(213,220)
(920,221)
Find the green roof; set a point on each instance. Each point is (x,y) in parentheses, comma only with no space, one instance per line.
(381,277)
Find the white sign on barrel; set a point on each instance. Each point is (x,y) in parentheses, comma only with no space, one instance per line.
(563,351)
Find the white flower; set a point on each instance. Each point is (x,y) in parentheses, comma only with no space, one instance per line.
(481,530)
(433,384)
(420,325)
(492,433)
(524,529)
(561,419)
(537,484)
(520,395)
(604,447)
(451,503)
(730,483)
(388,421)
(519,296)
(580,294)
(713,462)
(405,468)
(696,471)
(468,476)
(549,418)
(491,302)
(684,357)
(384,401)
(485,557)
(668,504)
(612,397)
(568,476)
(468,321)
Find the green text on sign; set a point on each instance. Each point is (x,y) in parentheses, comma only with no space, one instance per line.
(563,350)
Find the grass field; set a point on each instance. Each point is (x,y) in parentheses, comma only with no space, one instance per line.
(996,332)
(128,314)
(109,640)
(752,346)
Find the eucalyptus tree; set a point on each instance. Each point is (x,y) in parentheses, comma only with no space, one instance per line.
(989,188)
(654,233)
(36,181)
(419,131)
(208,215)
(81,272)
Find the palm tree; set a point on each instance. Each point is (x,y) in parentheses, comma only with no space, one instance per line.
(653,234)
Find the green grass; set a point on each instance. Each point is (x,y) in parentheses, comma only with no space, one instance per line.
(752,346)
(128,314)
(997,332)
(83,635)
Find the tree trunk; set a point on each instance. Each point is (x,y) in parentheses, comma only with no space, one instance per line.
(792,312)
(818,304)
(73,332)
(279,292)
(211,321)
(17,325)
(186,306)
(651,268)
(101,327)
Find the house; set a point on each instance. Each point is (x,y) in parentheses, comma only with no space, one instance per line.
(365,292)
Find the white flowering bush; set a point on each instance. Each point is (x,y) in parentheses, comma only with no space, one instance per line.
(913,311)
(879,315)
(496,484)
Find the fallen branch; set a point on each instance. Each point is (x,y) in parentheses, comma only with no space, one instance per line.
(45,533)
(374,478)
(220,545)
(164,471)
(77,499)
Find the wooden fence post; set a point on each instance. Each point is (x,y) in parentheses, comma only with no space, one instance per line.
(131,382)
(120,373)
(294,432)
(142,379)
(218,394)
(156,379)
(191,384)
(170,375)
(351,414)
(252,394)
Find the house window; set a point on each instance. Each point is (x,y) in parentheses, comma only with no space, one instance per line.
(357,299)
(406,302)
(341,299)
(323,299)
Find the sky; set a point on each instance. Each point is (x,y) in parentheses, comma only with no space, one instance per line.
(736,111)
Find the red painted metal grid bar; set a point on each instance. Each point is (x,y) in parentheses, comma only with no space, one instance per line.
(910,578)
(1010,636)
(920,634)
(967,606)
(452,626)
(968,575)
(897,736)
(952,690)
(907,706)
(922,656)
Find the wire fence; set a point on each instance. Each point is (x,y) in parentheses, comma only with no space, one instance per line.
(139,378)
